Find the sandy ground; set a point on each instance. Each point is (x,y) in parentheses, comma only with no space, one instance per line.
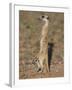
(29,44)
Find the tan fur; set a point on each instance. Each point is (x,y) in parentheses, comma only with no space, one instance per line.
(43,53)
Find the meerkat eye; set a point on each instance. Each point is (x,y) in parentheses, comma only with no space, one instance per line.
(42,16)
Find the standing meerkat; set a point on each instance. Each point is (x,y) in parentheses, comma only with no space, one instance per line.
(43,53)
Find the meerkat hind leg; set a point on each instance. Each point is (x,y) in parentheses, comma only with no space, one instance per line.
(47,66)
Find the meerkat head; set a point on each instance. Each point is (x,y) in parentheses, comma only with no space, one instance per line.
(44,18)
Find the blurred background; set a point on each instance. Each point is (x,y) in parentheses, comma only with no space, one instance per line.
(29,43)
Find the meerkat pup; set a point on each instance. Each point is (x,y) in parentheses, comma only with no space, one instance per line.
(42,56)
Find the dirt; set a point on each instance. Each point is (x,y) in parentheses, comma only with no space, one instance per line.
(29,44)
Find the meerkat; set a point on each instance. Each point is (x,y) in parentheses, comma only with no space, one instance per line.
(42,56)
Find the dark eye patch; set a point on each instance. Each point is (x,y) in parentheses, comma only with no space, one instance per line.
(42,16)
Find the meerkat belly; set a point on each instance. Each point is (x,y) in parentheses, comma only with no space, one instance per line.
(42,58)
(44,44)
(44,32)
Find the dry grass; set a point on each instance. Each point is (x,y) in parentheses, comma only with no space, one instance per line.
(29,38)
